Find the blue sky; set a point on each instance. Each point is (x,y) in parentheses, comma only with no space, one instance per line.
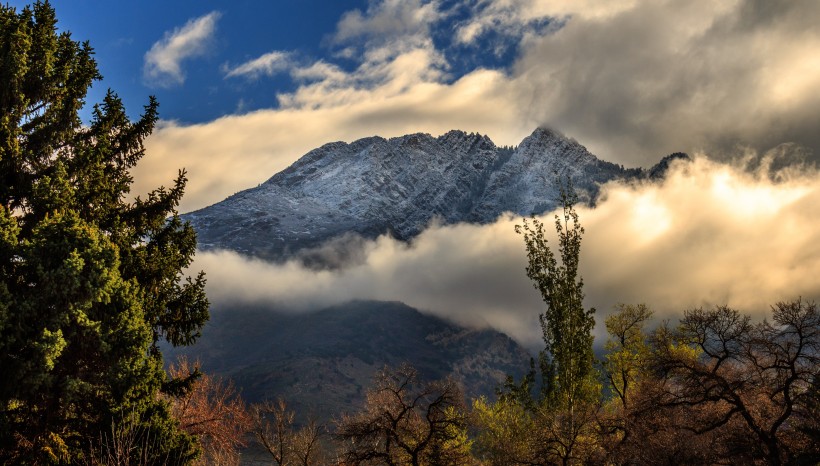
(229,34)
(246,87)
(123,32)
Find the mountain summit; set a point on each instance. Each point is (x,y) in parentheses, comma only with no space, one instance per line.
(373,186)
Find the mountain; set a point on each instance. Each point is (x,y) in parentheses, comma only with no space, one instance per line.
(374,186)
(322,362)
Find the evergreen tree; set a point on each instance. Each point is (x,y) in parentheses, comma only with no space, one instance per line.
(90,281)
(567,362)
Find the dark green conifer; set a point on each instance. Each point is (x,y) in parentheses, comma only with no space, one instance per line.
(90,279)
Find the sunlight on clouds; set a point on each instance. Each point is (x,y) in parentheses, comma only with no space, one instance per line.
(663,76)
(381,75)
(737,238)
(673,245)
(795,75)
(748,201)
(649,215)
(163,62)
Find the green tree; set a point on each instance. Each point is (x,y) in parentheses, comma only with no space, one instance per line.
(505,431)
(627,348)
(625,367)
(567,362)
(90,282)
(564,431)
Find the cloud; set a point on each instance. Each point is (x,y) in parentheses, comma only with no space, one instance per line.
(523,20)
(268,64)
(387,20)
(163,61)
(712,233)
(654,77)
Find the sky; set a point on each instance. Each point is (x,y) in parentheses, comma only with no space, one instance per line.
(247,87)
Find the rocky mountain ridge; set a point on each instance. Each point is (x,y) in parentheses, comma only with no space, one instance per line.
(374,186)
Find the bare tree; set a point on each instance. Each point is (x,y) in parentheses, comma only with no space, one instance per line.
(746,383)
(287,444)
(566,437)
(213,411)
(405,422)
(308,447)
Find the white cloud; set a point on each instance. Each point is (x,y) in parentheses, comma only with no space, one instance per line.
(710,234)
(388,19)
(268,64)
(163,62)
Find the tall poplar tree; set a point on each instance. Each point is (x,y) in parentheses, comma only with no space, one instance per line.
(90,280)
(567,362)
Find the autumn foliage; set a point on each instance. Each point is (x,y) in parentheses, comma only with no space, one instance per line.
(213,411)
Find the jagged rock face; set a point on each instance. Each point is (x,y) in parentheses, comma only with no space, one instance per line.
(527,183)
(375,185)
(400,183)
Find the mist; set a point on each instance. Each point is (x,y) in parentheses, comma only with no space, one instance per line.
(711,233)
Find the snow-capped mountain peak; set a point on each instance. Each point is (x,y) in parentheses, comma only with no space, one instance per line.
(398,185)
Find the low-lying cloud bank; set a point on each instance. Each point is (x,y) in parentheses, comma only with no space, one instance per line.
(711,233)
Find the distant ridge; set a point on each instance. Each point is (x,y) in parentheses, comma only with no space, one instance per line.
(322,362)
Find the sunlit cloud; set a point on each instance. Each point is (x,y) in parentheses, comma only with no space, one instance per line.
(268,64)
(711,233)
(163,62)
(387,20)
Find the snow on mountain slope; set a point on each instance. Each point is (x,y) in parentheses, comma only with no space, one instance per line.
(399,185)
